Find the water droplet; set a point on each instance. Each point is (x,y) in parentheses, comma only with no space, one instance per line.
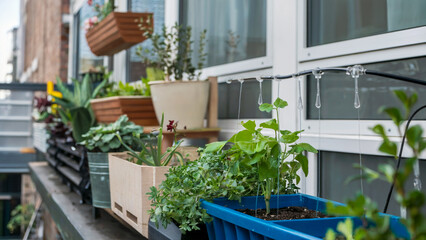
(318,101)
(357,103)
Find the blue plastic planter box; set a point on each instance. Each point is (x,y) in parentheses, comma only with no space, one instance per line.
(230,224)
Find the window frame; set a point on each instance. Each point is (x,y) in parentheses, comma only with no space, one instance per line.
(383,41)
(249,64)
(343,135)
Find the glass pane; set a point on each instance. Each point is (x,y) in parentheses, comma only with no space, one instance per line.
(337,91)
(135,67)
(229,100)
(336,167)
(236,29)
(334,20)
(86,60)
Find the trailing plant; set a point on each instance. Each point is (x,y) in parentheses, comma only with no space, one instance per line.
(75,105)
(20,217)
(103,138)
(151,154)
(276,166)
(375,225)
(213,175)
(172,52)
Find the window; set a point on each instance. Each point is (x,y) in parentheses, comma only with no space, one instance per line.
(236,29)
(335,168)
(337,91)
(333,20)
(135,68)
(84,60)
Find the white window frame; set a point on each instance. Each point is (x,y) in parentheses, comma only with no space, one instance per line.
(343,135)
(244,65)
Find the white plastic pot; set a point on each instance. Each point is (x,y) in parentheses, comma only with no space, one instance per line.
(183,101)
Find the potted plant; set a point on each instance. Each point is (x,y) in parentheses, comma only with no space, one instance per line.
(100,141)
(41,117)
(75,107)
(170,57)
(111,32)
(119,99)
(131,176)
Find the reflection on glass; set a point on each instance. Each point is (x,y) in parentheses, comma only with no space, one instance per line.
(334,20)
(229,99)
(336,167)
(236,29)
(337,91)
(135,67)
(87,61)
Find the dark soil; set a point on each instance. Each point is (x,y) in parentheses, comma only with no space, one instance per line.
(287,213)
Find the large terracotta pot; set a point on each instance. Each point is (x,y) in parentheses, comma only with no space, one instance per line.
(183,101)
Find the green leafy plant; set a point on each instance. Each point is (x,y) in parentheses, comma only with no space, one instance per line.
(75,105)
(102,11)
(213,175)
(151,154)
(126,89)
(276,167)
(20,216)
(172,50)
(375,225)
(103,138)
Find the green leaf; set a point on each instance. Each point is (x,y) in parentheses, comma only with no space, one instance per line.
(271,124)
(244,135)
(388,171)
(307,147)
(289,138)
(266,107)
(346,228)
(330,235)
(414,136)
(279,103)
(394,114)
(107,137)
(215,146)
(303,160)
(389,147)
(250,125)
(80,122)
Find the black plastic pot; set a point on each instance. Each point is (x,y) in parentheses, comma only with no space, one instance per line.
(172,232)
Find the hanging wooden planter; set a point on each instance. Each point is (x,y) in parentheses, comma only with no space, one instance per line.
(118,31)
(139,109)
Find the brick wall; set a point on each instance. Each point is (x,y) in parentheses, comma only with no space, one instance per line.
(46,39)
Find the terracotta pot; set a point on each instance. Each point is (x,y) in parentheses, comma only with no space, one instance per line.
(139,109)
(183,101)
(116,32)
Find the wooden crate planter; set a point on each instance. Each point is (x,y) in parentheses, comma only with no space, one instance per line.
(129,184)
(139,109)
(118,31)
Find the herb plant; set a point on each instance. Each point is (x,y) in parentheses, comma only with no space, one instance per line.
(172,51)
(213,175)
(125,89)
(375,225)
(276,167)
(103,138)
(151,154)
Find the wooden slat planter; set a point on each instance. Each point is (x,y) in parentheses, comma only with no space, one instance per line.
(139,109)
(129,184)
(118,31)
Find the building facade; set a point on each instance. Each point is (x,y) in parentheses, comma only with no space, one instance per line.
(271,37)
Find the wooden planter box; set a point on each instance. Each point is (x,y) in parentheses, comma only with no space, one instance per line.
(129,184)
(116,32)
(139,110)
